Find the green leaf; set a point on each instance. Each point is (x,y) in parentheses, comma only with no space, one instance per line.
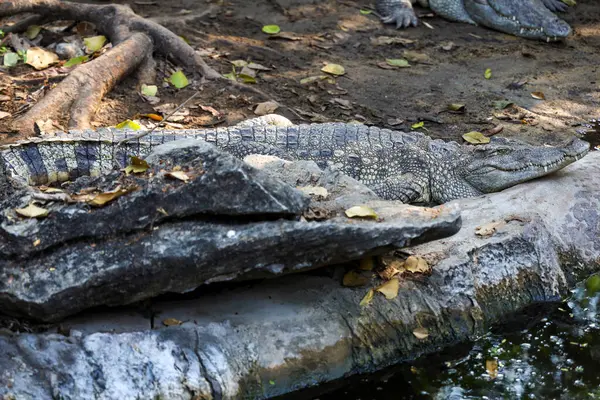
(311,79)
(179,80)
(76,61)
(271,29)
(128,124)
(32,31)
(247,78)
(11,59)
(488,73)
(475,137)
(94,43)
(271,382)
(397,62)
(456,107)
(149,90)
(365,12)
(502,104)
(570,3)
(239,63)
(592,284)
(418,125)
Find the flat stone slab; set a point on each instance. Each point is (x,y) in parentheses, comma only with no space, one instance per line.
(229,222)
(298,331)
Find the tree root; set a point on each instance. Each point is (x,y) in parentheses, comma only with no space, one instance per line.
(134,41)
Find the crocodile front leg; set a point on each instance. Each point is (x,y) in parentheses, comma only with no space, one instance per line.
(407,189)
(399,12)
(452,10)
(555,5)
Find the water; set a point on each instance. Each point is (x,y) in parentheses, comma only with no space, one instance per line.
(591,132)
(547,353)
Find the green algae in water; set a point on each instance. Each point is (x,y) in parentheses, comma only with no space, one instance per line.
(549,354)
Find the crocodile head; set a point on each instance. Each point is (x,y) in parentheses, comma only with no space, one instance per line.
(526,18)
(507,162)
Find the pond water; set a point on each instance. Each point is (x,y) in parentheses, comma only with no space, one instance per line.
(550,352)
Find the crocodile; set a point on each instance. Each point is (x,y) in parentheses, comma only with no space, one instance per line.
(409,167)
(532,19)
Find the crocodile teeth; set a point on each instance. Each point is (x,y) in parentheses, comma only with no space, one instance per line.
(545,168)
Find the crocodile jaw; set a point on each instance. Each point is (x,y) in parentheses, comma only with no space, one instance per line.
(505,162)
(526,18)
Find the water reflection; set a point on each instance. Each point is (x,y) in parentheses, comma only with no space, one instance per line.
(552,356)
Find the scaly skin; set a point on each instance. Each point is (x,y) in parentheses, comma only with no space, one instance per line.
(395,165)
(531,19)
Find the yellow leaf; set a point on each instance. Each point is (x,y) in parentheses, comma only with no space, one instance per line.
(570,3)
(334,69)
(106,197)
(397,62)
(311,79)
(179,80)
(368,297)
(182,176)
(418,125)
(32,31)
(475,137)
(128,124)
(421,333)
(40,58)
(32,211)
(355,278)
(416,264)
(172,322)
(456,107)
(488,73)
(137,166)
(361,212)
(389,289)
(94,43)
(149,90)
(491,366)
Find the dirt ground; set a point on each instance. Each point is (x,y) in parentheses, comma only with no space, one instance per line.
(447,66)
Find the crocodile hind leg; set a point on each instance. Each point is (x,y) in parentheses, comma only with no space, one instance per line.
(399,12)
(555,5)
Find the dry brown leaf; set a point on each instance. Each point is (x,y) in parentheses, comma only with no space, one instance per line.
(367,298)
(489,229)
(417,264)
(182,176)
(32,211)
(538,95)
(491,366)
(421,333)
(40,58)
(106,197)
(267,107)
(172,322)
(389,289)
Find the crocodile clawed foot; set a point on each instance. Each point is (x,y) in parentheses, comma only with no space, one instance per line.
(403,17)
(555,5)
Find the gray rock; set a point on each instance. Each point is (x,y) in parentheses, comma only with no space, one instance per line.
(299,331)
(230,222)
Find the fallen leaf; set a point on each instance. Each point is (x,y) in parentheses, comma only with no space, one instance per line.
(417,57)
(395,121)
(40,58)
(239,63)
(258,67)
(491,366)
(354,279)
(106,197)
(366,264)
(367,298)
(178,79)
(311,79)
(494,130)
(385,40)
(32,211)
(136,165)
(421,333)
(502,104)
(427,24)
(271,29)
(317,191)
(389,289)
(128,124)
(94,43)
(416,264)
(488,73)
(182,176)
(475,137)
(286,36)
(265,108)
(397,62)
(247,78)
(447,46)
(334,69)
(37,242)
(154,117)
(248,72)
(10,59)
(365,12)
(361,212)
(75,61)
(212,110)
(570,3)
(149,90)
(32,31)
(172,322)
(456,107)
(418,125)
(538,95)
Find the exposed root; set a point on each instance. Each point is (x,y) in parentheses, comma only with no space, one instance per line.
(134,38)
